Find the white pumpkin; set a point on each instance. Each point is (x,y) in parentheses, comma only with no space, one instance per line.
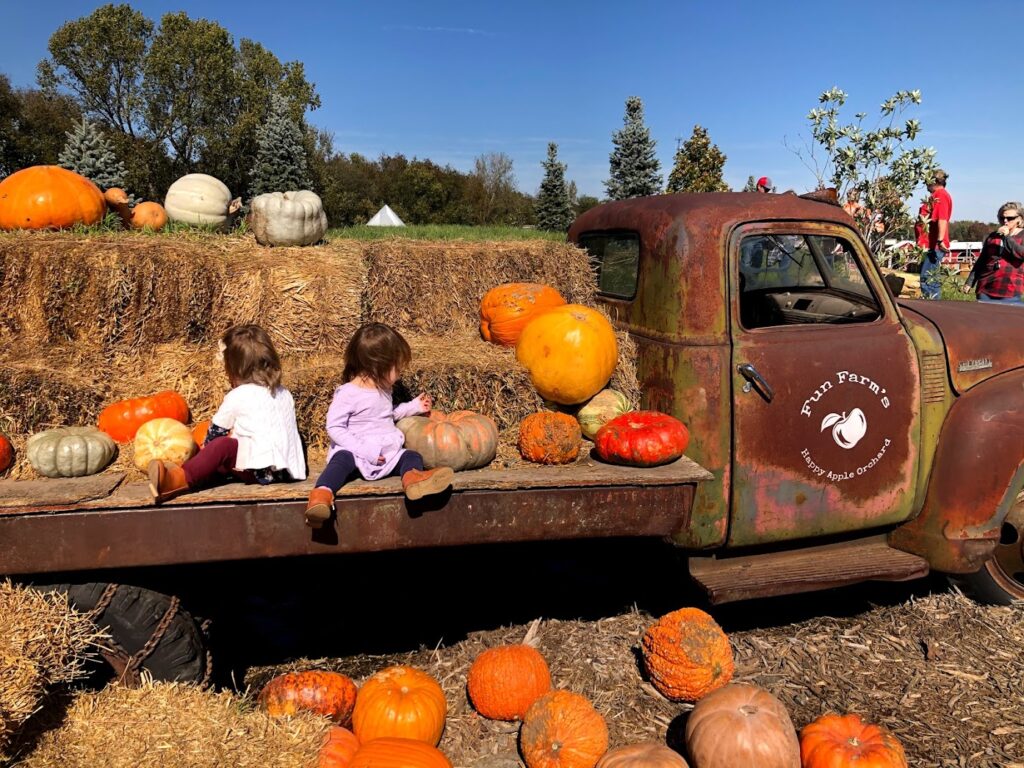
(164,440)
(288,218)
(198,199)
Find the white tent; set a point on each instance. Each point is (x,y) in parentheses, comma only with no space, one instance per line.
(385,217)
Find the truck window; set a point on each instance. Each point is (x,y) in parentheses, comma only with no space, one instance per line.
(615,257)
(787,279)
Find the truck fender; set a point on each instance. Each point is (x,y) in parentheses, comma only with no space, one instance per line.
(975,478)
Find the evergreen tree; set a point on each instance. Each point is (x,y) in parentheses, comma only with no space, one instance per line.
(89,153)
(698,165)
(554,210)
(280,155)
(635,171)
(751,185)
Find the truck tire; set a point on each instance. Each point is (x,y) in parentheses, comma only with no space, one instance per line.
(1000,581)
(150,631)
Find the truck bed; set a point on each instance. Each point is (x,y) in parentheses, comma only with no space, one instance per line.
(103,522)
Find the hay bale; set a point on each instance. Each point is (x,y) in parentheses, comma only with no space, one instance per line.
(36,395)
(170,725)
(43,643)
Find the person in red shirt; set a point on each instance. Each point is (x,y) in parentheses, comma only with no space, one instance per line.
(940,211)
(998,274)
(921,225)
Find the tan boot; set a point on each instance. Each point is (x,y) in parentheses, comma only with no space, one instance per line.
(426,482)
(318,509)
(166,480)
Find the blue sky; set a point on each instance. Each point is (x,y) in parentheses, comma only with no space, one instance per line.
(451,80)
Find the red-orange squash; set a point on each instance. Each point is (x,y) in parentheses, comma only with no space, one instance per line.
(326,693)
(642,439)
(549,438)
(570,352)
(339,748)
(146,215)
(400,702)
(390,752)
(506,309)
(562,729)
(460,440)
(649,754)
(6,453)
(199,432)
(846,741)
(49,197)
(504,681)
(741,725)
(687,655)
(122,419)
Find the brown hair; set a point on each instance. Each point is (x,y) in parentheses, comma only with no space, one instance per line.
(373,351)
(250,357)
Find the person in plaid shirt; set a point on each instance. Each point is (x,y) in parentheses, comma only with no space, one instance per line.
(998,274)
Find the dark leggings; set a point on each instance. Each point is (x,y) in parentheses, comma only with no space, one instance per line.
(215,462)
(342,468)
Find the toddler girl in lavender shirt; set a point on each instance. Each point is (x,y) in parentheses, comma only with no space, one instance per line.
(361,424)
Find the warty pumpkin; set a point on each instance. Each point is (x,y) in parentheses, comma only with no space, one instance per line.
(6,453)
(326,693)
(460,440)
(163,440)
(121,420)
(49,197)
(600,409)
(506,309)
(339,748)
(504,681)
(70,451)
(288,218)
(741,725)
(198,198)
(390,752)
(570,352)
(649,754)
(642,439)
(846,741)
(401,702)
(562,729)
(549,438)
(687,655)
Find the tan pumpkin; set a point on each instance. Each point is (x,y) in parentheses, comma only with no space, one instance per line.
(49,197)
(649,754)
(687,655)
(460,440)
(738,725)
(549,438)
(562,729)
(506,309)
(400,702)
(600,409)
(504,681)
(163,440)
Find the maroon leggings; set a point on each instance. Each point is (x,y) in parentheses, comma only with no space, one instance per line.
(214,463)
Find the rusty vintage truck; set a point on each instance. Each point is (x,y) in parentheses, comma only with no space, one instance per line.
(839,435)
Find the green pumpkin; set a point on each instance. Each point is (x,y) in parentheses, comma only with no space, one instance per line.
(70,451)
(600,409)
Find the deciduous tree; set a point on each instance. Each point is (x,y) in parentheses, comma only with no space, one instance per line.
(634,167)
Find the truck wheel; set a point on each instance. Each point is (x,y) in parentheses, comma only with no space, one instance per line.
(1001,580)
(150,631)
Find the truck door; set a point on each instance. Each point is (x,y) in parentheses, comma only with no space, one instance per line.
(824,386)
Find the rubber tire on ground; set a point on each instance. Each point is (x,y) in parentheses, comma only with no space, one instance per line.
(131,618)
(985,588)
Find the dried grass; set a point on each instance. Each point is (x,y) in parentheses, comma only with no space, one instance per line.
(168,725)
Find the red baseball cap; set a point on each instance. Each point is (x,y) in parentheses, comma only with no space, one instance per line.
(765,182)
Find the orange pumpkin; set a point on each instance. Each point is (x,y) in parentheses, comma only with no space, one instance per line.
(326,693)
(649,754)
(460,440)
(199,432)
(741,725)
(339,748)
(505,310)
(6,453)
(504,681)
(562,729)
(389,752)
(838,741)
(549,438)
(687,655)
(570,352)
(400,702)
(49,197)
(122,419)
(144,215)
(163,440)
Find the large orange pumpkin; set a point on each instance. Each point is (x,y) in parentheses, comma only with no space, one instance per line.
(339,748)
(6,453)
(49,197)
(505,310)
(846,741)
(460,440)
(642,439)
(649,754)
(122,419)
(504,681)
(570,352)
(741,725)
(687,655)
(390,752)
(562,729)
(549,438)
(400,702)
(326,693)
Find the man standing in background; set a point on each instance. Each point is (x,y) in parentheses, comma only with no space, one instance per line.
(939,213)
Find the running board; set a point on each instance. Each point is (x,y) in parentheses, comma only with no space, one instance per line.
(804,570)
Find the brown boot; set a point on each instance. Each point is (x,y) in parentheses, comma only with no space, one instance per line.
(426,482)
(318,509)
(166,480)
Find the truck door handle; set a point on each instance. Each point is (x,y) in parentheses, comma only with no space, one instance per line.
(749,372)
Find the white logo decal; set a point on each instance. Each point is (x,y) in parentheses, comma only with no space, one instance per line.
(846,430)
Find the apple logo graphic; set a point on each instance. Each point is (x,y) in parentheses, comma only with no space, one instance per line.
(846,430)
